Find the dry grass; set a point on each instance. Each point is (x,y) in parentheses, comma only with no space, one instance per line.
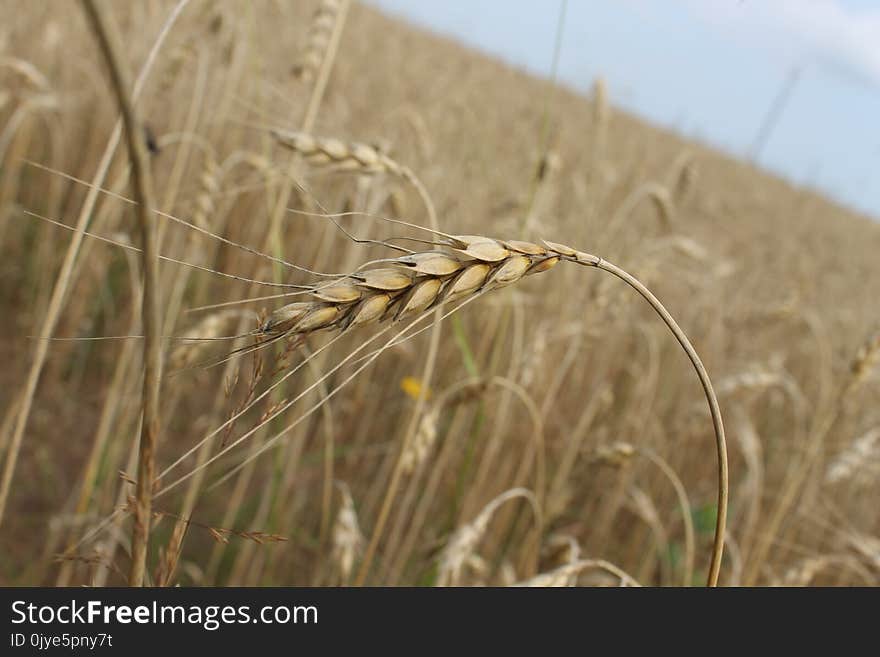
(551,435)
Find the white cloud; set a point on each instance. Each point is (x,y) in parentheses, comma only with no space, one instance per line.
(825,29)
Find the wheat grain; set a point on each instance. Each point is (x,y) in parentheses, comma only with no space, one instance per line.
(348,541)
(617,454)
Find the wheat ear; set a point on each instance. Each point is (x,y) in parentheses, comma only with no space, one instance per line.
(863,451)
(352,156)
(348,541)
(320,33)
(463,543)
(469,265)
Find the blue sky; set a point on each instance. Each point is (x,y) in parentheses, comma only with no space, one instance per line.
(709,69)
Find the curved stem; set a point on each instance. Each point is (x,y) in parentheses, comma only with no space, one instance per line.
(714,410)
(685,505)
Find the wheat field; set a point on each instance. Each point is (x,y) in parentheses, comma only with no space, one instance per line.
(361,380)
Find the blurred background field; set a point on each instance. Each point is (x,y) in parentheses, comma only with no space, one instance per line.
(565,388)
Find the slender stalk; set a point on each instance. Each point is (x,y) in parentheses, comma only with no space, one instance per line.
(397,473)
(715,411)
(427,373)
(684,503)
(108,42)
(544,141)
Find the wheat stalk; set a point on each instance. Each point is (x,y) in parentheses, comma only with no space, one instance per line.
(151,311)
(619,454)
